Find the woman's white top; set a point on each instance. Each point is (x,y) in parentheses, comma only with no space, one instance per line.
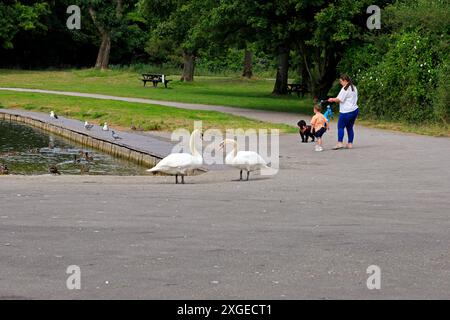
(349,100)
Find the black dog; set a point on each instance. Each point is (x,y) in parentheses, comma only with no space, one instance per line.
(305,131)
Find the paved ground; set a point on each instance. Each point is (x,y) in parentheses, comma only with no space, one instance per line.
(308,233)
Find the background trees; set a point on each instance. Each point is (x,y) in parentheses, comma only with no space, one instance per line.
(307,41)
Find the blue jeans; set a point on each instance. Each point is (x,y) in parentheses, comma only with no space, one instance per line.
(347,121)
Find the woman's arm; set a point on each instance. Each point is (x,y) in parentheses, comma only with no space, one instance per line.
(334,100)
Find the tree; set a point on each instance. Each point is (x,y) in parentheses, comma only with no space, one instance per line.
(110,18)
(16,17)
(177,27)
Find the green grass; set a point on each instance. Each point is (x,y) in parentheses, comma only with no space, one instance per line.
(234,92)
(435,130)
(120,114)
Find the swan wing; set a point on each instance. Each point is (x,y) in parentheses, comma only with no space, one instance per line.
(249,158)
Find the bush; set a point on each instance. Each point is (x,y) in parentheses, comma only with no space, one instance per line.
(402,73)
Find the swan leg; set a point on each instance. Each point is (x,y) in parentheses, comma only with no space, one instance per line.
(182,179)
(248,175)
(176,179)
(241,175)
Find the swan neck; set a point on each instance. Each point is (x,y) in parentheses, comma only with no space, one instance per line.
(194,151)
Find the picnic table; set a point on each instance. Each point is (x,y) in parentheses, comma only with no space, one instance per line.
(155,79)
(297,87)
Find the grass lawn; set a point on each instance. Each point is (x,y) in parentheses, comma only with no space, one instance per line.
(120,114)
(234,92)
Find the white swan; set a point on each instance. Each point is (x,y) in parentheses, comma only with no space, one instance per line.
(244,160)
(178,164)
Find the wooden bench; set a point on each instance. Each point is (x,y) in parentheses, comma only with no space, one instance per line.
(296,87)
(155,79)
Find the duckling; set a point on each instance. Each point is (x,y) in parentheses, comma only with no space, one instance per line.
(53,169)
(4,169)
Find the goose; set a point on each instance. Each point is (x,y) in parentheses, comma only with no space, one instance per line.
(105,127)
(178,164)
(244,160)
(88,126)
(53,115)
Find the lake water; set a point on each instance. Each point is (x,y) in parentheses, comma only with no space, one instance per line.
(30,151)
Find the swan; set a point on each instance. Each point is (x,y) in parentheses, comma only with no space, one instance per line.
(178,164)
(244,160)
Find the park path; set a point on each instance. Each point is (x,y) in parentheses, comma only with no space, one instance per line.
(261,115)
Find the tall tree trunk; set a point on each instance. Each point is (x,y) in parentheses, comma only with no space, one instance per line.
(248,64)
(282,72)
(188,67)
(104,52)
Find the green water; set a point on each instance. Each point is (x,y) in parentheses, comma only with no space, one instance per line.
(30,151)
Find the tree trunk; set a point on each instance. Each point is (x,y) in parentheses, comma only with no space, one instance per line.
(188,68)
(282,72)
(104,52)
(248,64)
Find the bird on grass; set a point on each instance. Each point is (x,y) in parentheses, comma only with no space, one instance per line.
(132,126)
(53,115)
(4,169)
(115,135)
(53,169)
(88,126)
(105,127)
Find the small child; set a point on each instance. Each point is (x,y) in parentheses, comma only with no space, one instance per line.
(320,125)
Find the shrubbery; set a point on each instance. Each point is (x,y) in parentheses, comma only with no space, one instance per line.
(402,75)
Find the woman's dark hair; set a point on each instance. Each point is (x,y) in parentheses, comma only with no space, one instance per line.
(349,80)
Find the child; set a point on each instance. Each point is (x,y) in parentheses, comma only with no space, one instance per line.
(320,125)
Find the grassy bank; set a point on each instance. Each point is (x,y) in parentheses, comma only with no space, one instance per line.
(425,129)
(234,92)
(121,114)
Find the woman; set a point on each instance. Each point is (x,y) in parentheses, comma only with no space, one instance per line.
(348,109)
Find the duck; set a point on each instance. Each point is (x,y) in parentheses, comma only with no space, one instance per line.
(248,161)
(88,126)
(4,169)
(76,160)
(88,157)
(105,127)
(53,115)
(178,164)
(53,169)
